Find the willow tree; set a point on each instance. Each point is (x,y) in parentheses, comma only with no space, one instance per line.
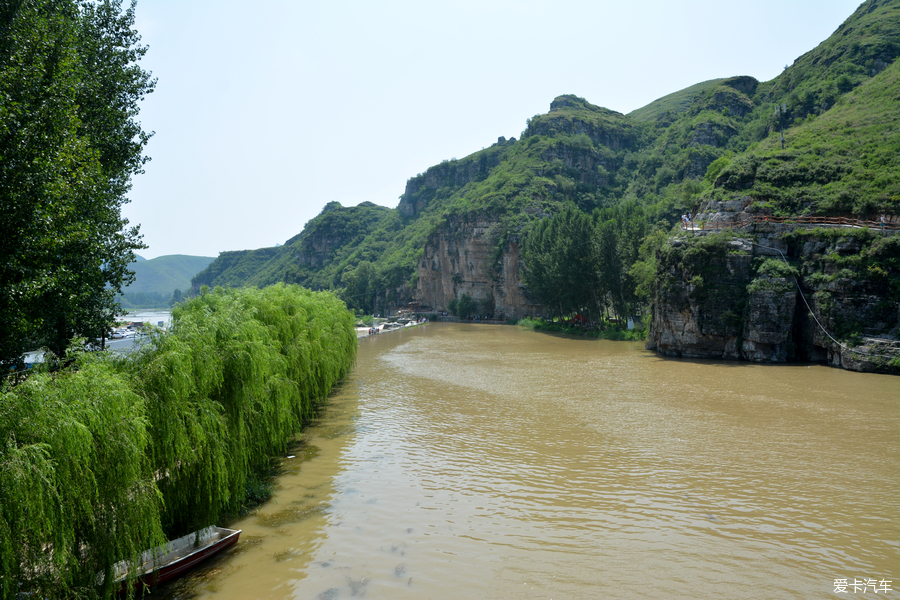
(96,463)
(69,144)
(231,384)
(77,492)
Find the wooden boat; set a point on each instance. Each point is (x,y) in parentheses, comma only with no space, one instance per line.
(170,560)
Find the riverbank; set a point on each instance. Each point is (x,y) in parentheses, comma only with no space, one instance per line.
(362,332)
(604,331)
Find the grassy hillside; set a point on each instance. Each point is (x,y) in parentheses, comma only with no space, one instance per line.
(846,161)
(674,103)
(863,46)
(331,238)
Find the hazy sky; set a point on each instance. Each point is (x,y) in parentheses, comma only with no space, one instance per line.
(266,111)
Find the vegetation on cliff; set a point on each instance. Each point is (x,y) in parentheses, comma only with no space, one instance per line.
(104,459)
(854,277)
(768,295)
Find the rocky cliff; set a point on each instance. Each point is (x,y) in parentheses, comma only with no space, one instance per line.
(460,258)
(733,296)
(335,228)
(573,116)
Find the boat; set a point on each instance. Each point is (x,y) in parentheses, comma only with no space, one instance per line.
(172,559)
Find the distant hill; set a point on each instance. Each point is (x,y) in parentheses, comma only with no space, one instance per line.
(158,278)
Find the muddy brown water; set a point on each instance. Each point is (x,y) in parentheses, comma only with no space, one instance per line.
(467,461)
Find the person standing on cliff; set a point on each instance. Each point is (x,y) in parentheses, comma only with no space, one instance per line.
(882,222)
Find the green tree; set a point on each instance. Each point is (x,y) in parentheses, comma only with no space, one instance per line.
(69,144)
(177,297)
(643,270)
(560,255)
(466,306)
(104,460)
(359,287)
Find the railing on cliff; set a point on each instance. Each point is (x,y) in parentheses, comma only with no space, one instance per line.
(799,220)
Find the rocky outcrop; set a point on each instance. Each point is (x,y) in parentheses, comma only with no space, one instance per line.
(729,97)
(573,116)
(743,83)
(450,174)
(584,161)
(315,250)
(724,212)
(460,259)
(738,299)
(766,336)
(335,227)
(691,316)
(711,134)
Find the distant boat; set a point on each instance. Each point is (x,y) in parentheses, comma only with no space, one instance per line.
(172,559)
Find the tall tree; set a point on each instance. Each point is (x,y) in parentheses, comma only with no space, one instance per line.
(561,262)
(359,287)
(69,144)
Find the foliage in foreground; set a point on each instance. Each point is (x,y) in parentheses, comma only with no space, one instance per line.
(100,462)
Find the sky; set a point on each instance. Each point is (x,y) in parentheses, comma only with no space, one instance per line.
(264,112)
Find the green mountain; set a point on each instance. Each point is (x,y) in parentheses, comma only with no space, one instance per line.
(158,278)
(462,227)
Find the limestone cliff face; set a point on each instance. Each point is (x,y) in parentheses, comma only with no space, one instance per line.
(716,300)
(694,319)
(459,259)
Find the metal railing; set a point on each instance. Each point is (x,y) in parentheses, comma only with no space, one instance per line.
(876,225)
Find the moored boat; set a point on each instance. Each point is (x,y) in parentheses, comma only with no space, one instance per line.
(170,560)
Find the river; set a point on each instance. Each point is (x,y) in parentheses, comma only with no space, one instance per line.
(480,461)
